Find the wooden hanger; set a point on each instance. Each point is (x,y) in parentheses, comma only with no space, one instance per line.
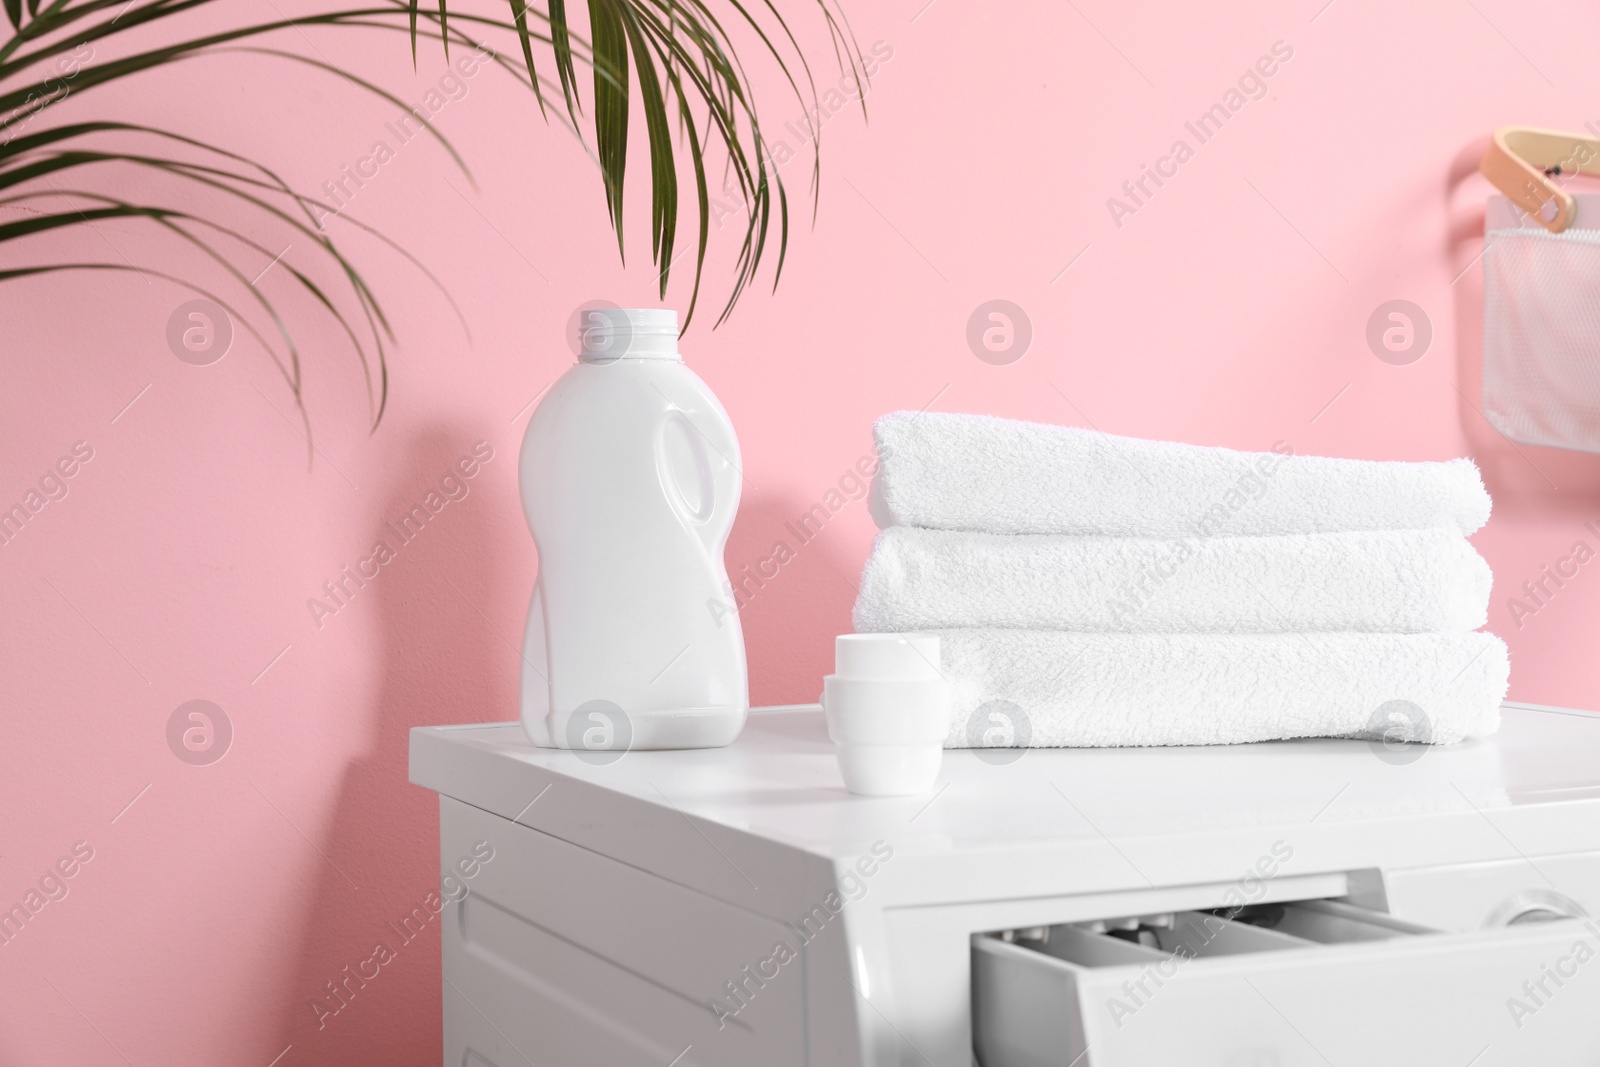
(1523,163)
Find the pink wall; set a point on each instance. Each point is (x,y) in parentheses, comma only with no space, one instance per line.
(1229,308)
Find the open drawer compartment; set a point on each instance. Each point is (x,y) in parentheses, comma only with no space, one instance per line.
(1312,983)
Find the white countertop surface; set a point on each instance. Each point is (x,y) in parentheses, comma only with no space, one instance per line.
(1534,787)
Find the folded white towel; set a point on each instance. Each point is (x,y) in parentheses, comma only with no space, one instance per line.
(976,472)
(1404,581)
(1053,689)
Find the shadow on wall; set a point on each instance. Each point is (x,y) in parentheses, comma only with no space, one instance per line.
(794,586)
(368,983)
(1523,480)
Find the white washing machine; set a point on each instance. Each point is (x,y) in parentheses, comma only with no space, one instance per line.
(1295,903)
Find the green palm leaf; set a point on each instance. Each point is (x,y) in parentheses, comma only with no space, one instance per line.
(673,59)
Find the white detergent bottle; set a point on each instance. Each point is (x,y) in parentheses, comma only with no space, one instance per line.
(630,477)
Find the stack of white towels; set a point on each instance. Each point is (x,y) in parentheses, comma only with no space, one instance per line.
(1128,592)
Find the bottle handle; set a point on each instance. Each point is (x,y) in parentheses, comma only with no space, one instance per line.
(708,508)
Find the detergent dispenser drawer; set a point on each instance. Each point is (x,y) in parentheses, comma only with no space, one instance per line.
(1304,984)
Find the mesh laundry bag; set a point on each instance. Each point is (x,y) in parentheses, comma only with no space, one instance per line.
(1541,328)
(1541,289)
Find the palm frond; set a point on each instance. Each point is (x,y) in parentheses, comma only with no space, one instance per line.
(673,60)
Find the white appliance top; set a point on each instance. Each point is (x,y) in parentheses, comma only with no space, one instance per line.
(1532,789)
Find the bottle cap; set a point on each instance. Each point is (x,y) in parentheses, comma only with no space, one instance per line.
(890,657)
(888,709)
(606,335)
